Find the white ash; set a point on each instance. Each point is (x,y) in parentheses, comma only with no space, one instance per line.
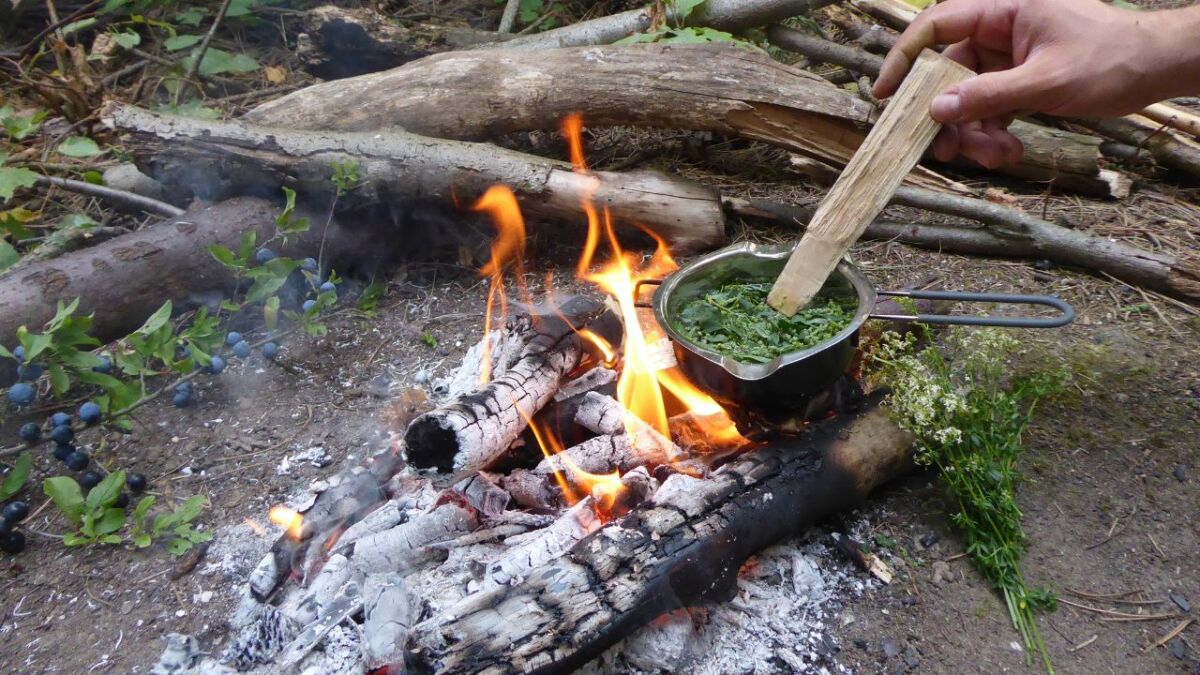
(312,605)
(381,519)
(315,456)
(235,550)
(389,611)
(541,546)
(591,380)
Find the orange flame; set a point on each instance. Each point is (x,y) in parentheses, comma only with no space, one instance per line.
(572,128)
(605,487)
(508,250)
(288,520)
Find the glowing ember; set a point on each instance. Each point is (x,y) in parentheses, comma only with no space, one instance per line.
(288,520)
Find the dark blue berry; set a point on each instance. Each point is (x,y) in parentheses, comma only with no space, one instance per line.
(136,482)
(183,352)
(184,386)
(21,394)
(216,365)
(30,372)
(62,433)
(105,365)
(78,461)
(270,350)
(264,255)
(16,511)
(5,528)
(18,353)
(89,480)
(31,432)
(233,338)
(242,350)
(62,451)
(328,287)
(89,412)
(309,264)
(308,305)
(14,543)
(122,500)
(59,418)
(182,399)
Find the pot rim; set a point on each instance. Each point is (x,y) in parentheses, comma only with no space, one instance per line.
(865,290)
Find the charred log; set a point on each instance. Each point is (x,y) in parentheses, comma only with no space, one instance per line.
(681,549)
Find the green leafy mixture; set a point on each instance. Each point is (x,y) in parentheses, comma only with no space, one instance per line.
(735,320)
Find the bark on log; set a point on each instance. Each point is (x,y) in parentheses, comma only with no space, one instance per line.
(684,548)
(715,88)
(1168,148)
(1066,160)
(474,430)
(219,158)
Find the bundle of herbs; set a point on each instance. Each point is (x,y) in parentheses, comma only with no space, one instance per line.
(968,414)
(735,320)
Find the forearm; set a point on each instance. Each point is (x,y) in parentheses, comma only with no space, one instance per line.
(1174,54)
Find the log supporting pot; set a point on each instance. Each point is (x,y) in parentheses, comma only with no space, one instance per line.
(790,379)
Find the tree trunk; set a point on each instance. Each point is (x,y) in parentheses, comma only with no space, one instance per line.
(715,88)
(681,549)
(214,159)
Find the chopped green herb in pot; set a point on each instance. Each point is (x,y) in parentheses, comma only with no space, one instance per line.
(735,320)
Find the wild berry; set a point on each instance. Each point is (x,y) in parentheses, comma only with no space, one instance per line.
(89,480)
(184,386)
(30,372)
(105,365)
(270,350)
(63,450)
(89,412)
(232,338)
(136,482)
(5,528)
(122,500)
(21,394)
(308,305)
(328,287)
(78,461)
(309,265)
(16,511)
(18,353)
(216,365)
(31,432)
(242,350)
(59,418)
(62,433)
(182,399)
(264,255)
(14,543)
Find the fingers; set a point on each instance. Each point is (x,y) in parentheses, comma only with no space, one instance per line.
(988,143)
(945,144)
(948,22)
(996,94)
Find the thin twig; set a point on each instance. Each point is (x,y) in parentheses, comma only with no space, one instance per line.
(1110,597)
(55,25)
(1170,634)
(195,67)
(118,197)
(1083,644)
(509,17)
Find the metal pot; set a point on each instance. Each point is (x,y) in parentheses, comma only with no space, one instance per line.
(790,379)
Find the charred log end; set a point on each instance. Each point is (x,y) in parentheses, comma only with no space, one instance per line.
(430,444)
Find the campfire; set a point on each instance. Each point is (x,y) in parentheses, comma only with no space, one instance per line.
(572,486)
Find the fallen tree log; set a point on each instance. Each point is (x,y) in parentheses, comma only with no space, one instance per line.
(681,549)
(217,159)
(1065,160)
(717,88)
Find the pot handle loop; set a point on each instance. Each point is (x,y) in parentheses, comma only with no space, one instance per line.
(637,290)
(1066,312)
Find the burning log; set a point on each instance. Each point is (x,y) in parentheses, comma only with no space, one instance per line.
(483,495)
(681,549)
(544,545)
(715,88)
(397,164)
(474,430)
(406,547)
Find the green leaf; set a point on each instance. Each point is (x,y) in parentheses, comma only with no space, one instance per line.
(223,255)
(79,146)
(13,222)
(217,61)
(15,479)
(241,7)
(284,222)
(174,44)
(13,178)
(189,17)
(106,493)
(66,495)
(93,177)
(189,509)
(35,344)
(76,539)
(157,320)
(684,8)
(269,278)
(76,26)
(178,546)
(112,520)
(8,255)
(59,380)
(246,245)
(128,39)
(140,511)
(271,313)
(76,220)
(110,539)
(141,541)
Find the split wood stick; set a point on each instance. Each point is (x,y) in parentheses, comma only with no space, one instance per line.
(890,151)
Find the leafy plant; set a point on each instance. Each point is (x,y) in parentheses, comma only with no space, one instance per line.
(12,177)
(15,479)
(673,30)
(968,419)
(345,176)
(19,127)
(79,146)
(96,516)
(176,526)
(736,321)
(64,346)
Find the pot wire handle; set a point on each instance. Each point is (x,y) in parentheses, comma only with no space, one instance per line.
(1066,312)
(637,290)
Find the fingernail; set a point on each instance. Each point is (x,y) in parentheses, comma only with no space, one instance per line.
(946,107)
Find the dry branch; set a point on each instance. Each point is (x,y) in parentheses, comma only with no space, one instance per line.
(395,164)
(681,549)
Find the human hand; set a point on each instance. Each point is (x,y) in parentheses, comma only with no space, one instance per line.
(1077,58)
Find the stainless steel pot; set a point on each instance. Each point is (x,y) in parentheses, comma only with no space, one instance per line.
(791,378)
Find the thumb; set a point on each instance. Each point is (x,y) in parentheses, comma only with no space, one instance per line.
(995,94)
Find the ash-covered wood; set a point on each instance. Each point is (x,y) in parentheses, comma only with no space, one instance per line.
(683,548)
(483,494)
(544,545)
(390,609)
(474,430)
(605,415)
(405,547)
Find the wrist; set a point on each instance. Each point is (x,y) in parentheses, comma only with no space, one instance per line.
(1174,53)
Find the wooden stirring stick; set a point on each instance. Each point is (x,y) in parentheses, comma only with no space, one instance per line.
(902,134)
